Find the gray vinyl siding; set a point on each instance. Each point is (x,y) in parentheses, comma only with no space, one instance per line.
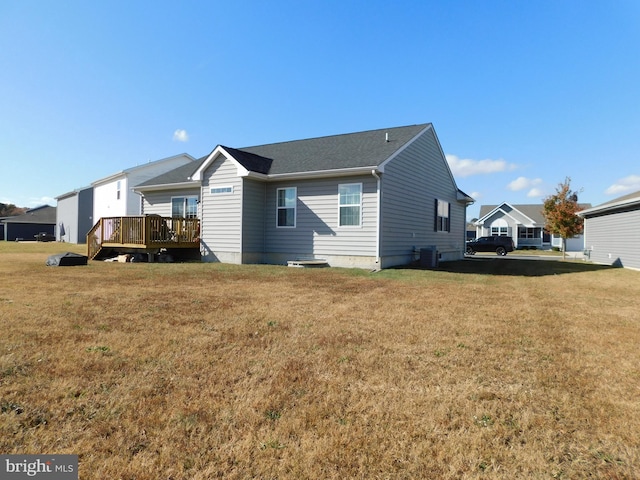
(159,203)
(75,214)
(613,238)
(253,212)
(411,183)
(67,215)
(317,232)
(221,213)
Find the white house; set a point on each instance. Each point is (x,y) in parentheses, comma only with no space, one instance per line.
(525,223)
(113,195)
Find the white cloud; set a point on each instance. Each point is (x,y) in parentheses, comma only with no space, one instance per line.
(180,135)
(536,192)
(624,185)
(522,183)
(465,167)
(476,195)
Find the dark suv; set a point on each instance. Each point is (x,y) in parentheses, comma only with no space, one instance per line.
(494,243)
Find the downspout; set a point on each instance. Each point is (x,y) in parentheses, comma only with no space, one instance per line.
(379,213)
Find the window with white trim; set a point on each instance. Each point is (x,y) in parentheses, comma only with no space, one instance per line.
(350,204)
(442,214)
(221,190)
(286,207)
(184,207)
(118,189)
(499,227)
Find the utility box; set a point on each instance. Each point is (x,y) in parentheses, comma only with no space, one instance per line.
(428,257)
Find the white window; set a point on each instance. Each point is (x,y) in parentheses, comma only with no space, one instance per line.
(350,201)
(500,227)
(184,207)
(118,190)
(221,190)
(442,213)
(286,207)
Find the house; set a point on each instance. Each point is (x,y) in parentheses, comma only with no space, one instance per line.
(113,195)
(30,224)
(525,223)
(371,199)
(74,215)
(612,231)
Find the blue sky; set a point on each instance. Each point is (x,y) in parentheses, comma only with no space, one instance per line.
(521,94)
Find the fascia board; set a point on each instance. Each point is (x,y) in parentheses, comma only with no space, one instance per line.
(533,223)
(610,206)
(496,210)
(109,179)
(463,197)
(167,186)
(343,172)
(197,175)
(481,220)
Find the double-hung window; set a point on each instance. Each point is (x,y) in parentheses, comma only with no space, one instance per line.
(286,207)
(350,201)
(184,207)
(442,214)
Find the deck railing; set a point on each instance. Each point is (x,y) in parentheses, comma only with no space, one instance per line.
(143,232)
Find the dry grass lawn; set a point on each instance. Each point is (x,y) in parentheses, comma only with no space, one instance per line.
(488,368)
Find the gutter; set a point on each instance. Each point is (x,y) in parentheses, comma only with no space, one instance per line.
(378,205)
(341,172)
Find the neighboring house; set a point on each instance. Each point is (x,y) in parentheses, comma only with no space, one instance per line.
(370,199)
(74,216)
(471,231)
(31,223)
(612,231)
(113,195)
(525,223)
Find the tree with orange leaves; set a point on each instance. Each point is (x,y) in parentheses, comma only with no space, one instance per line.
(560,210)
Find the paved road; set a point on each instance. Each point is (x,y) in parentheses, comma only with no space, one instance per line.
(515,256)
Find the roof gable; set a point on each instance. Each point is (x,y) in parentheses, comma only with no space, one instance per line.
(532,211)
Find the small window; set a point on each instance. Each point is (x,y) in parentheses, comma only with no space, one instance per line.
(221,190)
(350,201)
(118,189)
(442,215)
(286,207)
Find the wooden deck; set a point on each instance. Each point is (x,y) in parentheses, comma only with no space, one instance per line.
(145,233)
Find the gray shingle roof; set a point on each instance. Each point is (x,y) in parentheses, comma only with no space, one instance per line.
(351,150)
(531,210)
(625,201)
(43,214)
(177,175)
